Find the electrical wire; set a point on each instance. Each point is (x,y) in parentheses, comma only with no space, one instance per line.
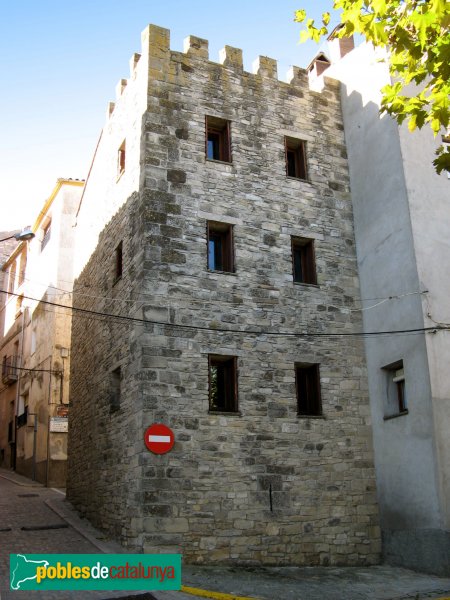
(230,302)
(37,370)
(129,319)
(107,318)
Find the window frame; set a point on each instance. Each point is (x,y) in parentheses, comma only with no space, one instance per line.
(121,159)
(221,128)
(12,274)
(22,266)
(224,231)
(115,389)
(46,234)
(310,382)
(396,398)
(297,148)
(305,248)
(230,404)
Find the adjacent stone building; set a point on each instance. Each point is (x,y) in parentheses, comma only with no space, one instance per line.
(35,342)
(217,292)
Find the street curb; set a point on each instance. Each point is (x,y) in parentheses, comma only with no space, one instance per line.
(13,479)
(73,522)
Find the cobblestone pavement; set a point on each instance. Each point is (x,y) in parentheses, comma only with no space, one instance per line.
(25,504)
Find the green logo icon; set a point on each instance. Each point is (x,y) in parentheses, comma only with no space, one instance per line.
(22,570)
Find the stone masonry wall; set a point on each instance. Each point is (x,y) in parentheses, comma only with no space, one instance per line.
(209,498)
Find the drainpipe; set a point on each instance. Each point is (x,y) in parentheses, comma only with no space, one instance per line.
(61,383)
(34,445)
(16,401)
(47,470)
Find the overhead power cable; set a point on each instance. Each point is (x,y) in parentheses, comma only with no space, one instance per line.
(202,301)
(305,334)
(55,372)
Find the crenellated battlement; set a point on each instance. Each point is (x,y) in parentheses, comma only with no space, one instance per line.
(158,56)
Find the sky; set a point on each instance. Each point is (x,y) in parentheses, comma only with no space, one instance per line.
(60,62)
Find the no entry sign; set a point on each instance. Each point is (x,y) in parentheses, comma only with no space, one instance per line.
(159,439)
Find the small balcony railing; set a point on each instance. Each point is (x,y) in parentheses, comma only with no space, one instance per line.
(9,369)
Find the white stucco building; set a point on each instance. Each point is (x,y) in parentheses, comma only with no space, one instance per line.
(402,229)
(35,342)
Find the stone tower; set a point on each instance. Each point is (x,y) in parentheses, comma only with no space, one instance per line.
(216,290)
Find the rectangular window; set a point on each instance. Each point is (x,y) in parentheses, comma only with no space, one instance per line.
(19,303)
(115,389)
(395,390)
(121,159)
(303,261)
(307,379)
(23,266)
(295,151)
(12,278)
(47,231)
(220,247)
(222,383)
(218,146)
(118,262)
(22,410)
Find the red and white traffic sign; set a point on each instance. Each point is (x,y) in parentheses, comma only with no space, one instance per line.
(159,438)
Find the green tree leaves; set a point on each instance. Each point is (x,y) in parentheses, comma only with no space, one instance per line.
(418,37)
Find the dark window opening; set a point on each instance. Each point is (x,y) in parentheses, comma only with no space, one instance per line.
(303,261)
(121,159)
(295,158)
(119,262)
(401,396)
(115,389)
(308,390)
(395,390)
(222,383)
(220,247)
(218,145)
(23,418)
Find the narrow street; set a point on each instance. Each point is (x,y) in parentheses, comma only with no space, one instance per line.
(35,519)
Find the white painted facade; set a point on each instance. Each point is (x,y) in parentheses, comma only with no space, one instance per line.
(35,341)
(402,230)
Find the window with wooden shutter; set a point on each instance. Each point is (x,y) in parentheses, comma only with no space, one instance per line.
(222,383)
(307,378)
(121,156)
(218,146)
(303,261)
(220,247)
(295,152)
